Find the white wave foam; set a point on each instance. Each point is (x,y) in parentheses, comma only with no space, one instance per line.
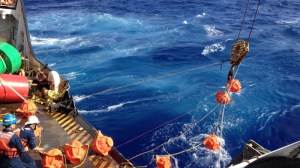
(52,64)
(52,41)
(267,118)
(91,111)
(212,31)
(133,50)
(206,156)
(201,15)
(108,109)
(213,48)
(72,75)
(287,21)
(295,107)
(80,98)
(114,107)
(199,157)
(110,17)
(185,22)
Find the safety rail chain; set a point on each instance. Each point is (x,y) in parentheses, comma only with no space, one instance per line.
(79,129)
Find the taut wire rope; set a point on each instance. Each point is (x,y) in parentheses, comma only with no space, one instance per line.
(243,19)
(173,138)
(149,80)
(161,125)
(254,20)
(221,131)
(222,110)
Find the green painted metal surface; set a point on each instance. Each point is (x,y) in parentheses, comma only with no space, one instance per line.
(2,66)
(11,56)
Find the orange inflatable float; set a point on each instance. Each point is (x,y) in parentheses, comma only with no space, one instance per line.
(163,161)
(234,85)
(7,2)
(222,97)
(102,144)
(212,142)
(5,150)
(28,108)
(52,159)
(75,151)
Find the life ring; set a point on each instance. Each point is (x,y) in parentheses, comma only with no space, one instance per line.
(7,2)
(21,72)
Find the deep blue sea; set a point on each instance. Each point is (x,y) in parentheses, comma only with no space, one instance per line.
(140,49)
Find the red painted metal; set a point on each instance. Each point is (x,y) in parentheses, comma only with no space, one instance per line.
(18,83)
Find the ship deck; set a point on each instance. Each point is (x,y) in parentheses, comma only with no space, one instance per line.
(60,128)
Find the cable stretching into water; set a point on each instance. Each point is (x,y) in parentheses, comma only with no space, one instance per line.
(187,150)
(149,80)
(221,131)
(171,139)
(174,119)
(223,108)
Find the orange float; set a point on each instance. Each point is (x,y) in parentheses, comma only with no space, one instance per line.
(5,150)
(223,97)
(234,85)
(212,142)
(28,108)
(52,159)
(102,144)
(75,151)
(7,2)
(163,161)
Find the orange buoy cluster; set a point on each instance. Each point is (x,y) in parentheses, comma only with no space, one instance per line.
(163,161)
(234,85)
(75,151)
(52,159)
(28,108)
(212,142)
(102,144)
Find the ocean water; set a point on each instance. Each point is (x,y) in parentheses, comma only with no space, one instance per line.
(135,65)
